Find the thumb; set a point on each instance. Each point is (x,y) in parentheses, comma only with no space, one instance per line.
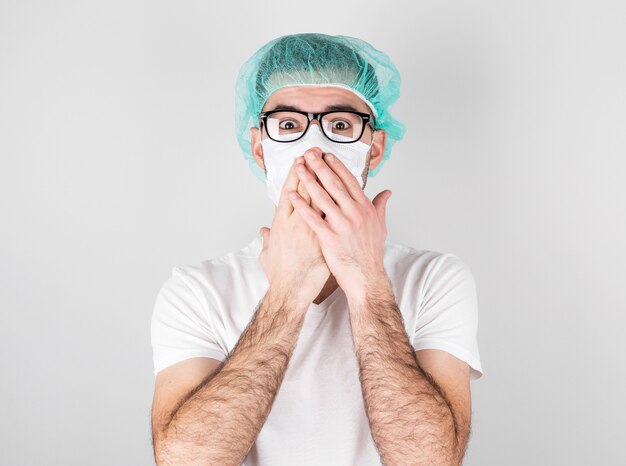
(380,202)
(265,235)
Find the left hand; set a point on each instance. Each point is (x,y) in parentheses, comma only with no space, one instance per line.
(352,234)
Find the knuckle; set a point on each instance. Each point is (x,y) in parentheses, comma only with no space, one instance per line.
(359,219)
(337,186)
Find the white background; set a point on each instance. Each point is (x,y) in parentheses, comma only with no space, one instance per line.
(119,161)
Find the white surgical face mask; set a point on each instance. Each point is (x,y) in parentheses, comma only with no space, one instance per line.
(279,156)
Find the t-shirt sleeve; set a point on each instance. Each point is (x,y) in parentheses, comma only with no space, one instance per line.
(180,328)
(448,313)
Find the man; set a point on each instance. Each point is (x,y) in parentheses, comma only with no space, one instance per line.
(319,342)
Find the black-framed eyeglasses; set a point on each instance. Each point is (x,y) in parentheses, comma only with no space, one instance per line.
(338,126)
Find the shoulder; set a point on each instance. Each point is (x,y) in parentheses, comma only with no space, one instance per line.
(425,272)
(210,279)
(214,271)
(424,260)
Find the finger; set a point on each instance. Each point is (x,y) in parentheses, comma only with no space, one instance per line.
(307,198)
(265,236)
(350,182)
(318,194)
(285,208)
(316,208)
(301,187)
(330,181)
(312,218)
(303,192)
(380,202)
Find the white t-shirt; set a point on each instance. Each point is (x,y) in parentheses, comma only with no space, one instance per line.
(318,416)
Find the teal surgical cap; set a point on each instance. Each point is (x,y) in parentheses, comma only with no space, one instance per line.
(312,59)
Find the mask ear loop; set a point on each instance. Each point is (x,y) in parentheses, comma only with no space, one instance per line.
(373,134)
(261,126)
(369,154)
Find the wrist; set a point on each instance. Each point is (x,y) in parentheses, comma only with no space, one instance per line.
(375,286)
(279,297)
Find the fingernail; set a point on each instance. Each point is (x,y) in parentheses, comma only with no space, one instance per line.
(300,168)
(329,157)
(310,155)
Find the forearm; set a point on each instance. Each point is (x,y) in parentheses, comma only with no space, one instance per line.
(219,421)
(410,419)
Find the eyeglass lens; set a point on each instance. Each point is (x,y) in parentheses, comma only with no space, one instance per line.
(337,126)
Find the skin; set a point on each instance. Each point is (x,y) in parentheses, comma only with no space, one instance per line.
(325,233)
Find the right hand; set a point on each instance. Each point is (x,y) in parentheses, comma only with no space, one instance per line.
(291,254)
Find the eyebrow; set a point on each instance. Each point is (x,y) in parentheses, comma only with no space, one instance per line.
(330,108)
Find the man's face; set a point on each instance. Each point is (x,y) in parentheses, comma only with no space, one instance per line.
(316,99)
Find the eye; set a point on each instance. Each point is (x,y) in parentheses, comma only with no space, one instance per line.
(340,125)
(288,124)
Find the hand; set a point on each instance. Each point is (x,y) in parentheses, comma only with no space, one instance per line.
(291,255)
(352,234)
